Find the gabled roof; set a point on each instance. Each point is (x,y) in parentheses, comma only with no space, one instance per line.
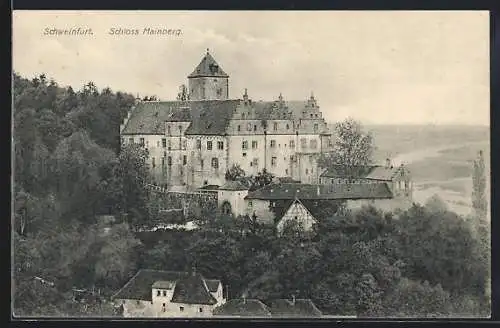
(234,186)
(297,308)
(212,284)
(243,308)
(372,172)
(188,288)
(208,67)
(140,285)
(207,117)
(192,290)
(284,191)
(297,202)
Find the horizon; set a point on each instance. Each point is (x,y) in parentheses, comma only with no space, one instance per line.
(383,68)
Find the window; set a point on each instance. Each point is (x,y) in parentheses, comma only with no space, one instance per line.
(250,204)
(209,145)
(307,171)
(311,115)
(273,143)
(162,162)
(220,145)
(201,310)
(249,127)
(239,128)
(244,154)
(286,171)
(184,160)
(292,144)
(153,163)
(169,145)
(316,115)
(158,293)
(169,160)
(215,163)
(163,308)
(314,144)
(164,294)
(273,161)
(180,129)
(181,308)
(303,143)
(292,158)
(184,144)
(141,142)
(202,163)
(130,140)
(198,144)
(255,127)
(288,127)
(316,127)
(244,145)
(164,143)
(275,126)
(255,162)
(168,130)
(254,144)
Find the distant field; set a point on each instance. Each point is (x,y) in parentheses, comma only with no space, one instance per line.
(440,158)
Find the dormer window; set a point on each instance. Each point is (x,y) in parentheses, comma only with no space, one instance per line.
(165,293)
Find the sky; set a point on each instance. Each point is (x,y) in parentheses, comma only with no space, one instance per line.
(374,66)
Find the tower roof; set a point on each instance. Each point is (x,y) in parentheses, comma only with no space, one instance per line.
(208,67)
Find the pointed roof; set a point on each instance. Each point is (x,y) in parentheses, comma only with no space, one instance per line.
(208,67)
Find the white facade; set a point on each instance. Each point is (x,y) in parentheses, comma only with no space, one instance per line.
(235,198)
(299,214)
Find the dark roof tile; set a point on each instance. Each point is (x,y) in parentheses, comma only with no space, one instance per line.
(243,308)
(192,290)
(372,172)
(297,308)
(208,67)
(282,191)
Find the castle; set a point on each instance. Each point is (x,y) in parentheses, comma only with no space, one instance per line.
(193,141)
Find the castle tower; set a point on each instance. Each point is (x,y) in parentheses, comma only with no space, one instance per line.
(208,81)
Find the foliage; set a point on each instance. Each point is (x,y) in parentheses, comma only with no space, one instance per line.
(234,173)
(353,147)
(262,179)
(479,201)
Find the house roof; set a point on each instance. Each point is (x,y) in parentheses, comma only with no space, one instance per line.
(188,288)
(289,308)
(243,308)
(208,67)
(299,203)
(283,191)
(162,284)
(192,290)
(207,117)
(372,172)
(209,187)
(234,186)
(212,284)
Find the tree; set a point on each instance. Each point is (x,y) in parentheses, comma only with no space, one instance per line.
(479,201)
(234,173)
(353,147)
(262,179)
(436,204)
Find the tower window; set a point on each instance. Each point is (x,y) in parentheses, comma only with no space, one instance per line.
(220,145)
(209,145)
(215,163)
(164,143)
